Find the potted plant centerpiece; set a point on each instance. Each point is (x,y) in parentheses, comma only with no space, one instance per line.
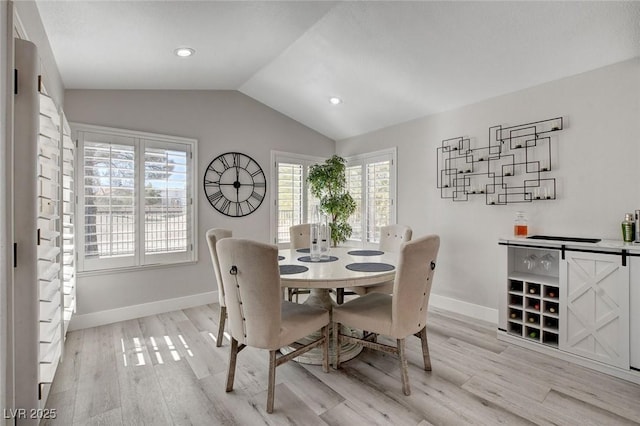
(328,183)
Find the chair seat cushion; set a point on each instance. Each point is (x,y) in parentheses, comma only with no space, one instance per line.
(299,320)
(371,312)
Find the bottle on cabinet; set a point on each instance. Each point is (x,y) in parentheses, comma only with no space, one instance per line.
(628,228)
(520,226)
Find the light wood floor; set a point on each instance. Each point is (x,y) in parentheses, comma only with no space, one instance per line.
(165,369)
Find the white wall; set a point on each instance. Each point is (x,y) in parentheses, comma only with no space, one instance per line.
(221,121)
(595,159)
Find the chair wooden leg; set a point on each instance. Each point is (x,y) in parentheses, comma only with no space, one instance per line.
(325,349)
(221,321)
(404,370)
(336,343)
(272,381)
(233,354)
(425,349)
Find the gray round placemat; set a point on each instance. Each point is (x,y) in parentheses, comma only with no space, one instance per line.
(304,250)
(292,269)
(365,252)
(308,259)
(280,257)
(370,267)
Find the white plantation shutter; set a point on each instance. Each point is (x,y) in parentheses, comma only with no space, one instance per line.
(136,198)
(109,200)
(371,180)
(378,198)
(293,201)
(354,186)
(290,198)
(166,199)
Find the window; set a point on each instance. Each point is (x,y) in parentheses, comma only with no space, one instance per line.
(136,196)
(371,181)
(293,202)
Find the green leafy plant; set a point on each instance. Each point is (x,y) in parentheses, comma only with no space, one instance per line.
(328,183)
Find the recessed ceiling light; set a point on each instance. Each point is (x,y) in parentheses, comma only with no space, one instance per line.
(335,100)
(184,52)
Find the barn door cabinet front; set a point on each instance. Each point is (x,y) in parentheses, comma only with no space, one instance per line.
(594,307)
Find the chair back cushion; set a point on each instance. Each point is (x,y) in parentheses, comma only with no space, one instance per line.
(392,237)
(252,291)
(300,236)
(412,286)
(213,236)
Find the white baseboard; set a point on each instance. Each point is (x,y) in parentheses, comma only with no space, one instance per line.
(464,308)
(110,316)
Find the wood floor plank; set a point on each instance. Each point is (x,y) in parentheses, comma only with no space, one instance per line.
(165,369)
(477,362)
(430,393)
(137,378)
(590,386)
(367,395)
(583,413)
(98,391)
(192,346)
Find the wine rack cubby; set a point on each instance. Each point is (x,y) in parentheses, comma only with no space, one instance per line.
(533,295)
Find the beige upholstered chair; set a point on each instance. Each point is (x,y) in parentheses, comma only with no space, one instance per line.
(391,238)
(398,315)
(213,236)
(258,316)
(300,237)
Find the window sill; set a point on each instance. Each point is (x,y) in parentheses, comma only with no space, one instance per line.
(141,268)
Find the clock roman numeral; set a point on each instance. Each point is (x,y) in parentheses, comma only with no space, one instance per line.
(224,208)
(236,159)
(224,162)
(213,198)
(257,196)
(259,184)
(208,182)
(213,169)
(239,211)
(256,173)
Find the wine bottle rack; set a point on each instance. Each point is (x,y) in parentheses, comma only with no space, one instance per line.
(533,296)
(513,168)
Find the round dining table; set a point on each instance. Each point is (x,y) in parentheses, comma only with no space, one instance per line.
(345,267)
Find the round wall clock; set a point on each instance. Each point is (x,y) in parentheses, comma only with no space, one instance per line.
(235,184)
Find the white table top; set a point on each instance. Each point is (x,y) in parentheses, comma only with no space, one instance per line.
(335,274)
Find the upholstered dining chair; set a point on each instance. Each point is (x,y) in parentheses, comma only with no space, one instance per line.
(391,238)
(299,237)
(213,236)
(399,315)
(258,317)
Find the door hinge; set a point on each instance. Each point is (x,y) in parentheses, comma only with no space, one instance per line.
(15,81)
(15,255)
(38,236)
(40,83)
(191,247)
(191,155)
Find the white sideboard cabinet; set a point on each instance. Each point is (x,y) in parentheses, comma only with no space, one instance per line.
(575,300)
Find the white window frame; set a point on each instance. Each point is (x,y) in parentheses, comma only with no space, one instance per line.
(362,160)
(288,157)
(140,260)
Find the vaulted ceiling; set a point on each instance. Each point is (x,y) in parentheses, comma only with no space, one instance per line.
(389,62)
